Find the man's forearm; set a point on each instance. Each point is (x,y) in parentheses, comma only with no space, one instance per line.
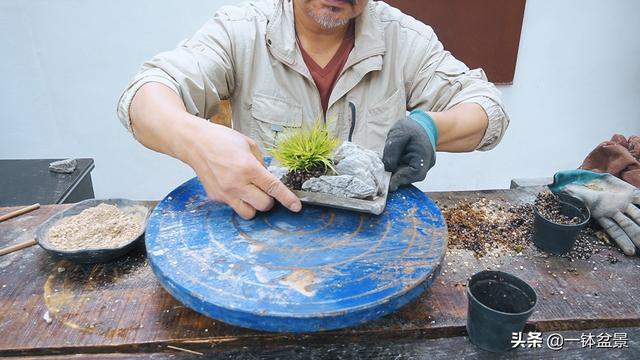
(159,120)
(461,128)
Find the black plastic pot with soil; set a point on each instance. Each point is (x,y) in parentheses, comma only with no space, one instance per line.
(557,221)
(499,305)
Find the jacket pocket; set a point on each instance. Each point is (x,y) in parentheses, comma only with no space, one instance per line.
(273,118)
(381,116)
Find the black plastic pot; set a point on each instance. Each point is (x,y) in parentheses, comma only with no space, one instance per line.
(559,238)
(499,305)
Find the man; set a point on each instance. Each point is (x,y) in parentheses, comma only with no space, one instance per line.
(287,63)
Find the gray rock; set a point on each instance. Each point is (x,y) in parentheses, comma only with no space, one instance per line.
(63,166)
(355,160)
(341,185)
(278,171)
(360,173)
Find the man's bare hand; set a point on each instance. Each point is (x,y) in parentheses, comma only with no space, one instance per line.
(229,165)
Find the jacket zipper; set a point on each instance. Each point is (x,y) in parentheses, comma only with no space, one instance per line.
(352,106)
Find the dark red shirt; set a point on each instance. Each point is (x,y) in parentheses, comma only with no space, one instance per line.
(325,78)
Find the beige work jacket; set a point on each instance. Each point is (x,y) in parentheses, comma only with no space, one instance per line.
(248,54)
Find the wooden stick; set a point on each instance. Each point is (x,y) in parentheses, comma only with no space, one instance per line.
(185,350)
(21,211)
(16,247)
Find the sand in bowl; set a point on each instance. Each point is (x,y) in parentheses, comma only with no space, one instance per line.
(100,227)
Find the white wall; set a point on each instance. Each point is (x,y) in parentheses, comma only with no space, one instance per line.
(65,62)
(577,83)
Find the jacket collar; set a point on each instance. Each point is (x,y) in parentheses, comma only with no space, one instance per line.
(281,36)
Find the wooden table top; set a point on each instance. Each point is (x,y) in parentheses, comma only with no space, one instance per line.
(51,306)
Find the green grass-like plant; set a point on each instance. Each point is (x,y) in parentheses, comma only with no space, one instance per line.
(305,149)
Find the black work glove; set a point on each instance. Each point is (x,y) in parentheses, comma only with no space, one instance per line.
(409,151)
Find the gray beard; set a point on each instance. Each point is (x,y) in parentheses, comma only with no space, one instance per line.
(328,22)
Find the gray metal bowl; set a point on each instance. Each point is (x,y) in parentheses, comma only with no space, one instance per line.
(93,255)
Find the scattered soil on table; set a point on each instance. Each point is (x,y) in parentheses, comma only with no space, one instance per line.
(484,225)
(294,179)
(98,227)
(549,206)
(586,245)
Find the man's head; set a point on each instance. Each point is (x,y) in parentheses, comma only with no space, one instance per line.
(330,14)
